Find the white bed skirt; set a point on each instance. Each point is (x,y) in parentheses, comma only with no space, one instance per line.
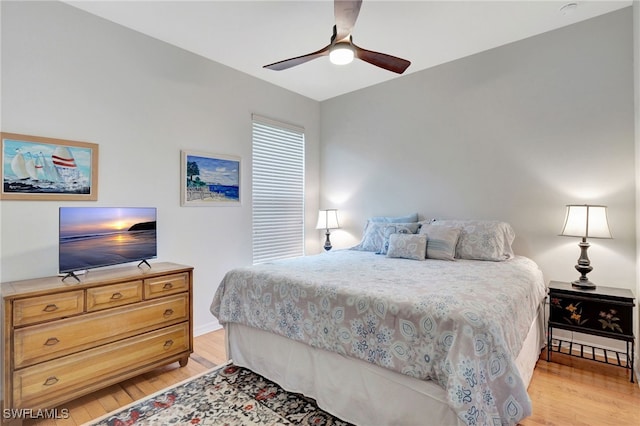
(354,390)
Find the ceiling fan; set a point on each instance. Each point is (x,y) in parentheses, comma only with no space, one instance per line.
(342,50)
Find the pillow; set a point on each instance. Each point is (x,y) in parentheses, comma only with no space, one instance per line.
(441,241)
(374,235)
(395,228)
(482,239)
(410,218)
(408,246)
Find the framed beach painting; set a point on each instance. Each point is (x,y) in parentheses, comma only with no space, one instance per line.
(210,179)
(39,168)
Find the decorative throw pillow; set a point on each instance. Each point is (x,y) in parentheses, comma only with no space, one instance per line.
(396,228)
(482,239)
(441,241)
(374,235)
(408,246)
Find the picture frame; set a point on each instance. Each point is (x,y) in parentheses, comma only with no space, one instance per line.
(48,169)
(210,179)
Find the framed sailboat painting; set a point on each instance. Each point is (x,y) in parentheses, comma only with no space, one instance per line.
(39,168)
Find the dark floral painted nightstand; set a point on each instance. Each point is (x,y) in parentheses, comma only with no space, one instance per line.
(604,311)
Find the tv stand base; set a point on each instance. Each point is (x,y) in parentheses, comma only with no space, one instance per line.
(71,274)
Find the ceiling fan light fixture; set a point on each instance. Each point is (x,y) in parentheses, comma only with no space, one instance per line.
(341,50)
(341,54)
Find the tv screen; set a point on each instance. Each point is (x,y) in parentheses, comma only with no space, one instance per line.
(92,237)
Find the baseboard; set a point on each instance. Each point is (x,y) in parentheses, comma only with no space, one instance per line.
(206,328)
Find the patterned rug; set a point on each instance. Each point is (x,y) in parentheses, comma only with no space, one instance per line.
(227,395)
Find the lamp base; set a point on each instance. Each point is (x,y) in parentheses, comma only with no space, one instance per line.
(327,242)
(584,267)
(584,284)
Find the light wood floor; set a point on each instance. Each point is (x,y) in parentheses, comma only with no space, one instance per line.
(566,392)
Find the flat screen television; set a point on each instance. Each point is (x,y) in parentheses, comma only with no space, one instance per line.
(93,237)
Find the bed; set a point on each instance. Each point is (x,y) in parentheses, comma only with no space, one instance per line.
(389,333)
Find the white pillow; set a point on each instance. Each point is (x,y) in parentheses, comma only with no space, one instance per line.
(410,218)
(395,228)
(408,246)
(482,239)
(441,241)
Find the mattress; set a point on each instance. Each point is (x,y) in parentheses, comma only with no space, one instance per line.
(460,326)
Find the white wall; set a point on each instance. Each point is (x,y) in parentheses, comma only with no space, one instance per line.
(70,75)
(513,133)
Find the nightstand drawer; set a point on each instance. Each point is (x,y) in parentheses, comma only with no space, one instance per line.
(600,316)
(606,311)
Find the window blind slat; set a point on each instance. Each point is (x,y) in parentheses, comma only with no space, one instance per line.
(278,190)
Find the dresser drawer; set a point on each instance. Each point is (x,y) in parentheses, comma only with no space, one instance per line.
(45,308)
(110,296)
(36,386)
(169,284)
(44,342)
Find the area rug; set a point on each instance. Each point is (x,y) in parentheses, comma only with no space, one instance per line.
(228,395)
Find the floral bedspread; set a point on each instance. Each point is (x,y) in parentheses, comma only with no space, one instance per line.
(459,323)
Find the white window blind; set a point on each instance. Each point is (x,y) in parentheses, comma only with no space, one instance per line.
(278,190)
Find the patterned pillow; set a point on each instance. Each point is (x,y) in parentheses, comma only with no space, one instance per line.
(408,246)
(410,218)
(441,241)
(482,239)
(395,228)
(374,235)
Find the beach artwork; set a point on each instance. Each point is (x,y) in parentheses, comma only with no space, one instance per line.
(210,179)
(38,168)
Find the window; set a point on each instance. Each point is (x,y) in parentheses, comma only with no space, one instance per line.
(278,190)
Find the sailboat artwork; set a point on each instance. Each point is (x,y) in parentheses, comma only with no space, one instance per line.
(48,167)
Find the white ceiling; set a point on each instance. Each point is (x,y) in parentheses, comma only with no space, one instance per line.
(245,35)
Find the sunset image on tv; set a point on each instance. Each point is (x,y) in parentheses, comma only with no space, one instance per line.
(92,237)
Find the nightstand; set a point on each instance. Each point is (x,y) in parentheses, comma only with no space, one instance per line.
(603,311)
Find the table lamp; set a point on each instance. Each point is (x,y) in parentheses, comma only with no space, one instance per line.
(585,221)
(328,219)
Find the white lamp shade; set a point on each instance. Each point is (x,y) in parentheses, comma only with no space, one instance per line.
(328,219)
(586,221)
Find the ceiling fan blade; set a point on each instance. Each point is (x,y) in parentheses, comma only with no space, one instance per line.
(382,60)
(288,63)
(346,13)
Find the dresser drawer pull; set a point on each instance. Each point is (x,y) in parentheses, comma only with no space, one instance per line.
(167,286)
(51,341)
(168,313)
(168,344)
(116,296)
(50,308)
(51,381)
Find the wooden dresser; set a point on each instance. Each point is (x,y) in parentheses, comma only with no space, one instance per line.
(65,339)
